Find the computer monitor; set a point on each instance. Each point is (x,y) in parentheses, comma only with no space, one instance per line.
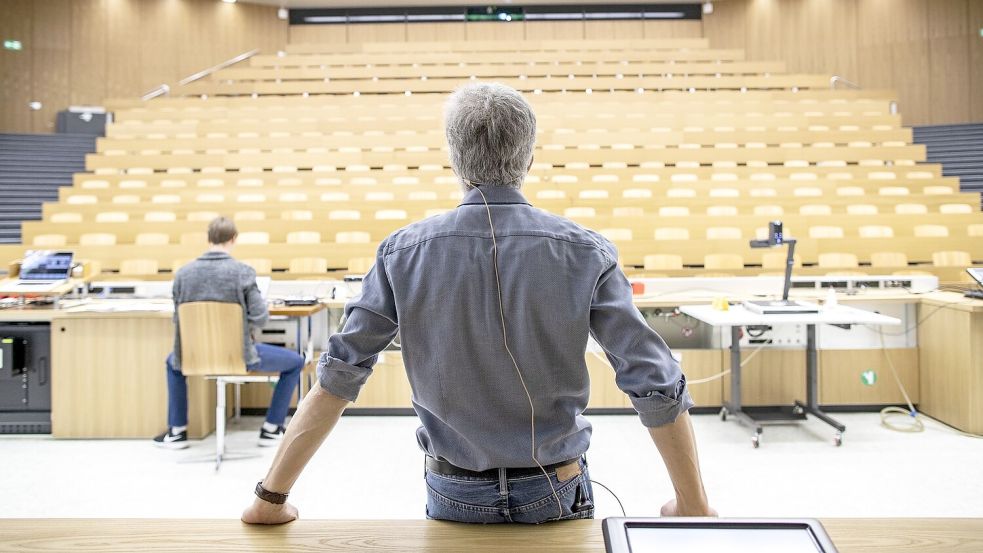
(46,265)
(709,535)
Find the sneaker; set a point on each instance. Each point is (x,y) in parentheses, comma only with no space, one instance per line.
(270,439)
(167,440)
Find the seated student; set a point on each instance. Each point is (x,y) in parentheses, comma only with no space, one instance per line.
(215,276)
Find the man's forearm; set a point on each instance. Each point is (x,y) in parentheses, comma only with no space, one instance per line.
(677,445)
(315,418)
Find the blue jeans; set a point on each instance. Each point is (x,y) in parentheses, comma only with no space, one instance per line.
(271,359)
(526,499)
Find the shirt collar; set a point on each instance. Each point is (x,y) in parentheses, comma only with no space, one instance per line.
(215,255)
(496,195)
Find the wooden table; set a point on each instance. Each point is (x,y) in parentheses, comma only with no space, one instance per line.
(107,535)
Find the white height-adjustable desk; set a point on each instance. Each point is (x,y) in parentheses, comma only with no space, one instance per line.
(737,316)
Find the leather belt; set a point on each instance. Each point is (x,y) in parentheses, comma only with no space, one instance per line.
(447,469)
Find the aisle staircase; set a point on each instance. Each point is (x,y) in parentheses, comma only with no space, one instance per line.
(959,148)
(32,168)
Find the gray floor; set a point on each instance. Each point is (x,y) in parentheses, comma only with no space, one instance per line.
(370,468)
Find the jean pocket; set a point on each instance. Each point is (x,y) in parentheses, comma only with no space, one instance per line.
(463,500)
(572,499)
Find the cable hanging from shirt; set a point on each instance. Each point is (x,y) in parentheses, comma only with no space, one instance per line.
(505,339)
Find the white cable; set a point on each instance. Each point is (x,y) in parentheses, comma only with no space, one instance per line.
(710,378)
(505,338)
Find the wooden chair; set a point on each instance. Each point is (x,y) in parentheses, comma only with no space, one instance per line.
(579,212)
(66,218)
(888,259)
(861,209)
(615,234)
(49,240)
(725,261)
(249,216)
(931,231)
(353,237)
(160,216)
(672,233)
(825,232)
(112,217)
(254,237)
(662,262)
(360,265)
(308,265)
(838,261)
(202,216)
(952,259)
(875,231)
(304,237)
(777,260)
(260,265)
(297,215)
(211,347)
(723,233)
(955,208)
(138,267)
(975,229)
(97,239)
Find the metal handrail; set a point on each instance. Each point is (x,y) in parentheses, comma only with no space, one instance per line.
(892,106)
(838,79)
(206,72)
(161,90)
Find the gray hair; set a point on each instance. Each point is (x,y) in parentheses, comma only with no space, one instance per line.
(491,132)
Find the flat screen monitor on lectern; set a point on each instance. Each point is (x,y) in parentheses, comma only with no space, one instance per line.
(707,535)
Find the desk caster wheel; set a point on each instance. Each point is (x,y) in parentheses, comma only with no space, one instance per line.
(723,415)
(797,410)
(756,441)
(838,439)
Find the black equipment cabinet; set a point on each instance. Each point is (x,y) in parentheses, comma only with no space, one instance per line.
(25,378)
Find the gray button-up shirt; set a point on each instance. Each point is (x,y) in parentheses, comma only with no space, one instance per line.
(434,282)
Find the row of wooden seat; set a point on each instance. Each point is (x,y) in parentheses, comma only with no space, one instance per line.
(494,70)
(609,138)
(711,255)
(424,48)
(90,235)
(328,175)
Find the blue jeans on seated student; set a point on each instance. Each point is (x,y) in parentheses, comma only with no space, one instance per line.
(527,499)
(271,359)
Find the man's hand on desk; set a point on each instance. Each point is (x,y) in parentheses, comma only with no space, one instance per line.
(673,509)
(262,512)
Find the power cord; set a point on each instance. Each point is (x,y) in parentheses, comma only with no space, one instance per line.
(614,495)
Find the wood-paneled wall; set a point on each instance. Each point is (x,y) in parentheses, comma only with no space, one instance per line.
(516,30)
(79,52)
(929,51)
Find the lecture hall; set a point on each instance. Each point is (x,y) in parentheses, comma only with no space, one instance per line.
(700,276)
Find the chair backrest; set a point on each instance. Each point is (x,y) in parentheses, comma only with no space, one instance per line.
(931,231)
(951,259)
(97,239)
(360,265)
(838,260)
(304,237)
(211,338)
(723,261)
(50,240)
(663,262)
(262,266)
(672,233)
(308,265)
(138,267)
(888,259)
(875,231)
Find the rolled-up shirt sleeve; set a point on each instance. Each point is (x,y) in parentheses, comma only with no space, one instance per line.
(644,367)
(370,325)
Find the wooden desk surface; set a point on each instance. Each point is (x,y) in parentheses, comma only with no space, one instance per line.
(72,310)
(81,535)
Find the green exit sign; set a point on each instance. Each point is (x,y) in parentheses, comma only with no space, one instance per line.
(12,45)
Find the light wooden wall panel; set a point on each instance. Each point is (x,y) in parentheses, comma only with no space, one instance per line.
(553,30)
(948,52)
(494,30)
(83,51)
(929,51)
(973,25)
(15,67)
(87,70)
(381,32)
(673,29)
(51,61)
(306,34)
(430,32)
(607,30)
